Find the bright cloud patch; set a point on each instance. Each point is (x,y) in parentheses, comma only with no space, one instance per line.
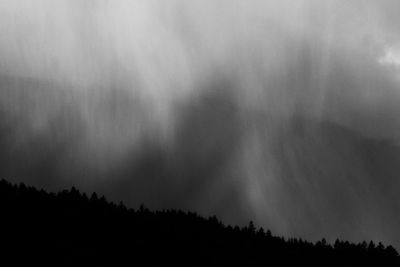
(391,57)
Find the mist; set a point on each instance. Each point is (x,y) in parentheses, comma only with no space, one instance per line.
(281,112)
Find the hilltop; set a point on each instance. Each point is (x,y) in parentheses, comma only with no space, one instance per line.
(70,228)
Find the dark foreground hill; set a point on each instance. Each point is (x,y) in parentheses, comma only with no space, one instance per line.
(69,228)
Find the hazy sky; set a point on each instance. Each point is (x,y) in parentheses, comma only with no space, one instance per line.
(282,112)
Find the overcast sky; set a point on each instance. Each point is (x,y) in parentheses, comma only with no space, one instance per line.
(282,112)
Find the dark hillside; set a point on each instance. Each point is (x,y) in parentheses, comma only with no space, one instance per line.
(69,229)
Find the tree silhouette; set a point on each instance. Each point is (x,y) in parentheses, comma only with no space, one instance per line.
(68,228)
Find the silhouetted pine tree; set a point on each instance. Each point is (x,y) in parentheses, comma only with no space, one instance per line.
(68,228)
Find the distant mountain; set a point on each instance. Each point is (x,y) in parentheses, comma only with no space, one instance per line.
(69,228)
(329,179)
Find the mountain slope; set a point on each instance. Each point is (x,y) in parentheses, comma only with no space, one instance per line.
(69,228)
(327,180)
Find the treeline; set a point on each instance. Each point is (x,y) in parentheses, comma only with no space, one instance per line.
(69,228)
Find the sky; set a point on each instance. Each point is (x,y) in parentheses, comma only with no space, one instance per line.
(280,112)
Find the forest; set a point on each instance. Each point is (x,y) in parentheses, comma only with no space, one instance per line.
(70,228)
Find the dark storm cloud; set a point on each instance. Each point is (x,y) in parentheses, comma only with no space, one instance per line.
(191,172)
(186,173)
(33,141)
(285,112)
